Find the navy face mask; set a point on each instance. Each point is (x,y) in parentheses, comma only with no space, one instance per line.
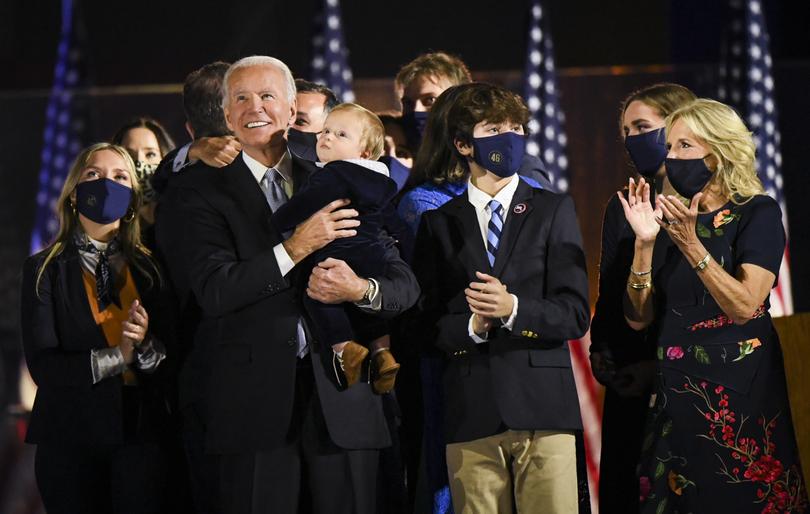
(414,124)
(688,176)
(501,154)
(102,200)
(647,151)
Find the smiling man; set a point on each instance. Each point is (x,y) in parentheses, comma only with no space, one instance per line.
(270,411)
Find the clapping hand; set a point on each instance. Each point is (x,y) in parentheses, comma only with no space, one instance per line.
(134,330)
(680,220)
(489,298)
(643,218)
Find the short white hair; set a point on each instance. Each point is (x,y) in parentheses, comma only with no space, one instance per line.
(259,60)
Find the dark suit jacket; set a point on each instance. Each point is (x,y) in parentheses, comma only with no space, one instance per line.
(58,333)
(521,379)
(248,328)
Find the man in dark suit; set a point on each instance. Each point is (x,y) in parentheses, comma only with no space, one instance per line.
(271,413)
(504,286)
(211,141)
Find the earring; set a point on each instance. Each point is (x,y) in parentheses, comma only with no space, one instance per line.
(130,215)
(72,208)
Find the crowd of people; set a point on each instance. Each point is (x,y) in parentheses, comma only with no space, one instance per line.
(311,307)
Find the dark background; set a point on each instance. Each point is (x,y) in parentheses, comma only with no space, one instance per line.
(603,50)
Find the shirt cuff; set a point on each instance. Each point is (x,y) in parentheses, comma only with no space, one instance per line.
(150,353)
(285,263)
(180,160)
(375,305)
(475,337)
(106,363)
(510,322)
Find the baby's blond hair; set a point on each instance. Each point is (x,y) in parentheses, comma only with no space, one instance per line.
(372,136)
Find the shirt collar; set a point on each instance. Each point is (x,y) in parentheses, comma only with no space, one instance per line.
(283,166)
(480,200)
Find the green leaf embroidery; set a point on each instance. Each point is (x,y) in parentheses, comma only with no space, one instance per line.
(747,348)
(660,353)
(702,231)
(718,231)
(659,470)
(701,355)
(667,428)
(661,507)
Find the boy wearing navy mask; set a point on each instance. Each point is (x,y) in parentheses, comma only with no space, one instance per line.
(504,287)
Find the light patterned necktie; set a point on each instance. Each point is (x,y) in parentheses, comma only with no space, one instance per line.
(494,231)
(273,189)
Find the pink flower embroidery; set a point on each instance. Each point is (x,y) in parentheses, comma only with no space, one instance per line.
(674,353)
(644,488)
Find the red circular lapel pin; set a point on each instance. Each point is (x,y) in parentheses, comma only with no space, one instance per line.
(519,208)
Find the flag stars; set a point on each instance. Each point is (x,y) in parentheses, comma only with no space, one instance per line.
(532,148)
(535,57)
(534,103)
(534,80)
(536,34)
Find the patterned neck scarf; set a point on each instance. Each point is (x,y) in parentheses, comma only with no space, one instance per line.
(105,274)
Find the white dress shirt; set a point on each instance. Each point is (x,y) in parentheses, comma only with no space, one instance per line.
(480,201)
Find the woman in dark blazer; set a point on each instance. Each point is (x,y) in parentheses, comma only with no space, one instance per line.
(93,350)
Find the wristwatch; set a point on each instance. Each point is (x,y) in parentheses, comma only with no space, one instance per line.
(703,263)
(371,290)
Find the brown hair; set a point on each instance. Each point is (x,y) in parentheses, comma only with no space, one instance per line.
(164,140)
(129,232)
(664,97)
(482,102)
(437,161)
(434,64)
(372,135)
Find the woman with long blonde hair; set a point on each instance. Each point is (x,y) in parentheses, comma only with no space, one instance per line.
(92,348)
(719,437)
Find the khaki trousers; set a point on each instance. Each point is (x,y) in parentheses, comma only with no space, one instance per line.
(523,471)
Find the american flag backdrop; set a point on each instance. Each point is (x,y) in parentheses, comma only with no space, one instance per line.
(546,135)
(330,57)
(547,140)
(746,83)
(65,126)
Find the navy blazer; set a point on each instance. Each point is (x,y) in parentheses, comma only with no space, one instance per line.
(58,333)
(521,379)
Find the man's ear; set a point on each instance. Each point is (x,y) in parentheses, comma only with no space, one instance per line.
(462,147)
(293,112)
(190,130)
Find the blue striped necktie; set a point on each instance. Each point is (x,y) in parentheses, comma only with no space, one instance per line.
(494,230)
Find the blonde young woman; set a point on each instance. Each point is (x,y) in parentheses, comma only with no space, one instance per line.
(720,436)
(92,332)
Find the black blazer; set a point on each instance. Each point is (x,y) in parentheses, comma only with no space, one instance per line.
(520,380)
(58,332)
(247,332)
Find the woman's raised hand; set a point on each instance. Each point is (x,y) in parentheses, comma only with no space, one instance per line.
(639,211)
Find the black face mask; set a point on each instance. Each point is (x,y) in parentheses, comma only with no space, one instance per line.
(647,151)
(414,124)
(303,144)
(688,176)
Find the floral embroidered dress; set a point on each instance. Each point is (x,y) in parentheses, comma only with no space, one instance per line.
(719,437)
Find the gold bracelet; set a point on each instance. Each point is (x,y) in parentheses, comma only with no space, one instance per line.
(640,273)
(643,285)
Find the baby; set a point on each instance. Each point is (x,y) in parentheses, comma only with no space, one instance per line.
(351,141)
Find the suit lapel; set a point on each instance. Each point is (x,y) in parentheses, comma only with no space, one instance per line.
(301,170)
(472,251)
(70,272)
(519,211)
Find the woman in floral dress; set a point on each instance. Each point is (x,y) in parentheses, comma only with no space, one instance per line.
(719,437)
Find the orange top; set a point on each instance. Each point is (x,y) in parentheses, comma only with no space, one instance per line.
(112,317)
